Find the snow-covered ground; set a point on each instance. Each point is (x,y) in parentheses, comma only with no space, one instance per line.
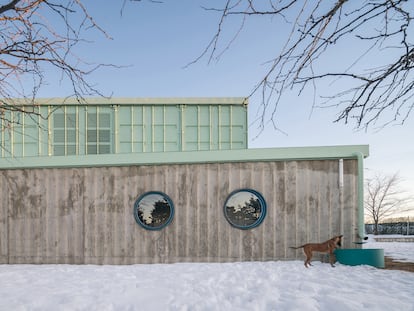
(279,285)
(401,251)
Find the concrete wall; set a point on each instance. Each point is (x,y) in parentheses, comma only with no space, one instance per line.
(85,215)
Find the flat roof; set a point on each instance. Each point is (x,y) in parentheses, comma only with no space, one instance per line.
(189,157)
(58,101)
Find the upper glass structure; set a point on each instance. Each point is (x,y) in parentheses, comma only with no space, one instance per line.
(61,128)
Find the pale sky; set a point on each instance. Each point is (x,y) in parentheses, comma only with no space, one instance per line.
(155,42)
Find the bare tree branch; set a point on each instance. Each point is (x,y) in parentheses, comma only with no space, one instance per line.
(370,95)
(125,2)
(35,37)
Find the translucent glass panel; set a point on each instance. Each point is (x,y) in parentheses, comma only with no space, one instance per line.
(64,133)
(21,133)
(98,132)
(149,128)
(214,127)
(100,129)
(79,130)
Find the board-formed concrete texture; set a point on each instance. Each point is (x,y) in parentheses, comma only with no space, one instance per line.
(81,211)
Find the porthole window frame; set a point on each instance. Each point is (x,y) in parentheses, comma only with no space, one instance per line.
(170,203)
(262,203)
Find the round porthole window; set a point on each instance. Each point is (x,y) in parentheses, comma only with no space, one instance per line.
(245,208)
(153,210)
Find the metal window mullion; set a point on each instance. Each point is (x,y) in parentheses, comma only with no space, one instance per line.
(49,131)
(23,133)
(183,142)
(219,127)
(12,133)
(144,130)
(164,128)
(97,131)
(152,129)
(76,130)
(86,131)
(115,140)
(39,130)
(231,127)
(132,128)
(210,125)
(3,137)
(65,130)
(198,128)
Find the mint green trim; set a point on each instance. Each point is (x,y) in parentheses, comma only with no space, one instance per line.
(59,101)
(361,224)
(189,157)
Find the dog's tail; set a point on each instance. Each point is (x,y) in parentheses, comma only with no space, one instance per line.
(293,247)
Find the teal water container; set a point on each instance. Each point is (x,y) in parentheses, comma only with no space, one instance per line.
(355,257)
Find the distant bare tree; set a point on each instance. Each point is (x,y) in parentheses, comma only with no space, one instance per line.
(369,93)
(384,198)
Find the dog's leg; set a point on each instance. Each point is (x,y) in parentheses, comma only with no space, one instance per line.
(308,254)
(332,259)
(308,263)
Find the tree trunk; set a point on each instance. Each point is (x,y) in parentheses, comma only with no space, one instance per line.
(376,228)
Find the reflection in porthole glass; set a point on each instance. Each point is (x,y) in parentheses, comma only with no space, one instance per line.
(245,209)
(153,210)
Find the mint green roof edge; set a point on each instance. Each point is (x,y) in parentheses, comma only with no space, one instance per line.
(188,157)
(136,101)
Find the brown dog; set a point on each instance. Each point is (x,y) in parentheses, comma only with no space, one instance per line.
(325,247)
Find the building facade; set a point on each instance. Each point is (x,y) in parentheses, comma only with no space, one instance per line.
(201,202)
